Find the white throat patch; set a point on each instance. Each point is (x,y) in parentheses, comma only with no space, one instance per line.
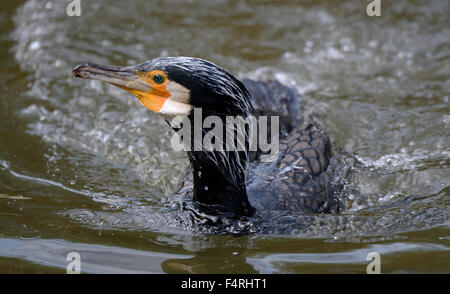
(177,105)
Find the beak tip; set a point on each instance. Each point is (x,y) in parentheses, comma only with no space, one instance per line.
(77,72)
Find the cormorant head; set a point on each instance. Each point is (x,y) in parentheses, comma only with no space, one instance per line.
(173,86)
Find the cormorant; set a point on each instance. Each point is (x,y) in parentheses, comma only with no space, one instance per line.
(222,181)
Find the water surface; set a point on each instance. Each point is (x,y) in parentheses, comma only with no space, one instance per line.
(84,167)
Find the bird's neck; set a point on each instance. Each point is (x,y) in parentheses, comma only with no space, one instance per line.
(218,189)
(219,175)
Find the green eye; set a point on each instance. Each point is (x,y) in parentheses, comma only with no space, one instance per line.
(159,79)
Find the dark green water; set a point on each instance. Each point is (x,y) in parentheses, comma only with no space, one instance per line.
(84,167)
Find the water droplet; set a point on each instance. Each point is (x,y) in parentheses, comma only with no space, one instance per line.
(35,45)
(206,188)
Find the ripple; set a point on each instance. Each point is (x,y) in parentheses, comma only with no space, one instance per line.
(94,258)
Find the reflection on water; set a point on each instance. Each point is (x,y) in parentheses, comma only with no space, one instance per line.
(84,166)
(96,258)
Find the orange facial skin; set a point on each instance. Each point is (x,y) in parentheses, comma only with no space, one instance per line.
(155,98)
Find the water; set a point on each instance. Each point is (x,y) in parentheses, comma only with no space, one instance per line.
(84,167)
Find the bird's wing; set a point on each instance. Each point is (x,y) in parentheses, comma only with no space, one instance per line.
(274,98)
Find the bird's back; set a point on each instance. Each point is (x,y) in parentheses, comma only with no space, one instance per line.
(293,181)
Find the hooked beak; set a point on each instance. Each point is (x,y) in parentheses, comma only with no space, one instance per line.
(127,78)
(121,76)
